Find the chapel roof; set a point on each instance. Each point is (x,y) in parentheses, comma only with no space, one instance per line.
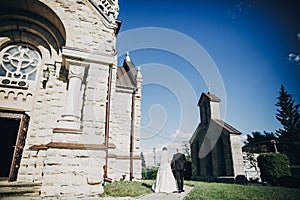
(226,126)
(210,96)
(123,79)
(126,74)
(219,122)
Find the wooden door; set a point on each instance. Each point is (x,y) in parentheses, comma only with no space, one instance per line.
(18,148)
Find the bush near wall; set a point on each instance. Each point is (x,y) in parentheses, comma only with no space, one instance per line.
(149,173)
(273,166)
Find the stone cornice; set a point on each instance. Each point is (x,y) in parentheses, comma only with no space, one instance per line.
(125,89)
(137,157)
(78,146)
(80,55)
(67,130)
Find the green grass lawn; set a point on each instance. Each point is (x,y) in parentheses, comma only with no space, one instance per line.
(126,189)
(204,190)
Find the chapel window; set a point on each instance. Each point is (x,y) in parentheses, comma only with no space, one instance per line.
(18,64)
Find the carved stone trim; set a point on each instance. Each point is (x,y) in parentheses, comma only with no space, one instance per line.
(108,10)
(67,130)
(123,156)
(39,147)
(82,56)
(11,115)
(63,145)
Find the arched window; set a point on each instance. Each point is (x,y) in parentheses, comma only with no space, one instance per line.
(18,64)
(31,34)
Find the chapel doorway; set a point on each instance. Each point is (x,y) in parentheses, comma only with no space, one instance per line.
(13,134)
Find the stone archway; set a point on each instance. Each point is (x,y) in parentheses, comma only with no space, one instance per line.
(32,22)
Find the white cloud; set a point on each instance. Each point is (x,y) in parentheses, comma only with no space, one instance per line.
(298,35)
(182,135)
(291,55)
(295,58)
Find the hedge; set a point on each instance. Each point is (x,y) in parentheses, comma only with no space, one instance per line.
(149,173)
(273,166)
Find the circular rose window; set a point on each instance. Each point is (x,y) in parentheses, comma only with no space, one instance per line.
(19,61)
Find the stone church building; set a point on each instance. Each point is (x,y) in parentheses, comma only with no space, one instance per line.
(69,116)
(216,150)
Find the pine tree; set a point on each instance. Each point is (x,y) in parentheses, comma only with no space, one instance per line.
(289,117)
(260,143)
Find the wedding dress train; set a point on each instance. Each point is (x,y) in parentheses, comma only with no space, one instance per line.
(165,181)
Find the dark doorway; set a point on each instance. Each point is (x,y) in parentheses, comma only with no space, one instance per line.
(13,129)
(9,133)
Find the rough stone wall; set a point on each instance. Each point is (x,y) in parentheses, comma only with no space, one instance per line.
(94,104)
(46,107)
(194,157)
(120,134)
(138,113)
(85,29)
(201,171)
(228,156)
(121,122)
(137,168)
(237,155)
(78,172)
(120,130)
(66,172)
(81,176)
(204,162)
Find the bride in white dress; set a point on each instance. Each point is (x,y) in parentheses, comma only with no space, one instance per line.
(165,181)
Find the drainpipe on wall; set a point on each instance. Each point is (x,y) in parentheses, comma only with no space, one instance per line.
(132,133)
(107,117)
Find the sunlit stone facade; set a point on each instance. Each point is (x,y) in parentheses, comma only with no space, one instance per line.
(72,109)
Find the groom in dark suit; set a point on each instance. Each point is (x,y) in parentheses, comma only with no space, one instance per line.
(178,166)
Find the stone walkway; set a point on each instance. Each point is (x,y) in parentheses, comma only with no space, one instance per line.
(152,196)
(26,191)
(165,196)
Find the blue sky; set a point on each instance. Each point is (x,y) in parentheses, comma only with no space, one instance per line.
(249,43)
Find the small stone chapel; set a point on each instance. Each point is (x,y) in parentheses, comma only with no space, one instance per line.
(216,150)
(69,116)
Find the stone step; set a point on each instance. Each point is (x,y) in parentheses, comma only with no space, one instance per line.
(15,189)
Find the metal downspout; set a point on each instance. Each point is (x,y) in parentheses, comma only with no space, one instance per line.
(132,133)
(107,118)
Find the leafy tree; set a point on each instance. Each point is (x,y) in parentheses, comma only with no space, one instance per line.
(260,143)
(186,150)
(143,160)
(289,117)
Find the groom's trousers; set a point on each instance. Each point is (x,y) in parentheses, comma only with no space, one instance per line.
(179,179)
